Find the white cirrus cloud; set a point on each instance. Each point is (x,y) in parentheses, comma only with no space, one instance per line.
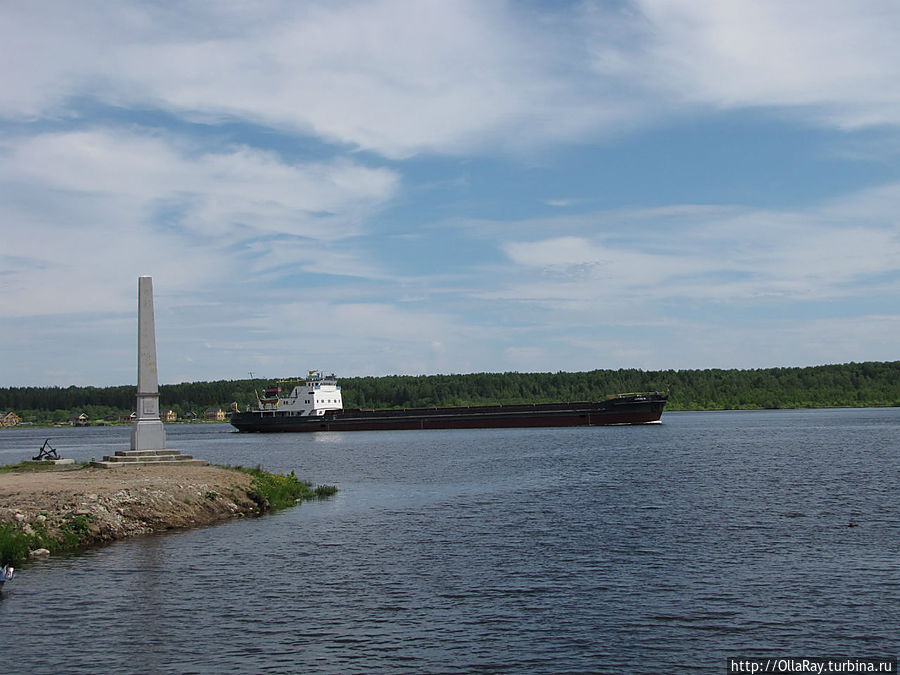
(833,59)
(835,250)
(212,191)
(91,208)
(398,78)
(429,76)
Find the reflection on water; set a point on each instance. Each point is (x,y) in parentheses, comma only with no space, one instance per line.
(623,549)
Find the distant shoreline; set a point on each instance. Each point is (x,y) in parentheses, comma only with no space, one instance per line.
(866,384)
(101,424)
(41,425)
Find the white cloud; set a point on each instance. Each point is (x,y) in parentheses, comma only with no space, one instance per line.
(717,255)
(562,203)
(523,357)
(90,208)
(352,337)
(782,342)
(395,77)
(831,58)
(403,78)
(244,243)
(217,191)
(578,256)
(275,258)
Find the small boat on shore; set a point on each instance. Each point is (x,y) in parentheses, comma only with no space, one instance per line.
(315,404)
(6,574)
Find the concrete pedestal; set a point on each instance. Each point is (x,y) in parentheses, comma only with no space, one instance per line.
(148,435)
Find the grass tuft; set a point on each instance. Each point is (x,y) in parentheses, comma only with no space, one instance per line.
(22,467)
(16,542)
(275,491)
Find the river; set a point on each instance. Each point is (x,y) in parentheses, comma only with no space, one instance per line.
(658,548)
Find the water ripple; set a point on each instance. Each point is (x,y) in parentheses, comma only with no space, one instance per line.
(496,551)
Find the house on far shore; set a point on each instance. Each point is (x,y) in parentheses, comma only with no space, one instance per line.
(81,421)
(10,419)
(216,414)
(169,416)
(189,415)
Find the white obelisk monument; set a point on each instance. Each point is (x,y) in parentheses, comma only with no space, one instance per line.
(148,436)
(148,432)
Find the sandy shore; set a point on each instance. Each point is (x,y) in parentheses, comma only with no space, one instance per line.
(102,505)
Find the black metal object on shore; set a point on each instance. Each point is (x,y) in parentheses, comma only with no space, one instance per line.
(47,451)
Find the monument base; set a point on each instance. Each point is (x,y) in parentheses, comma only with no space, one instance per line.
(148,435)
(142,457)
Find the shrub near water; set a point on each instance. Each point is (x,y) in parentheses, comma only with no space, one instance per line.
(15,542)
(275,491)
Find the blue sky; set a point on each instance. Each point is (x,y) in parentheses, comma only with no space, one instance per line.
(438,186)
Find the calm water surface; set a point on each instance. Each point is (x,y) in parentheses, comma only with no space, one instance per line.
(621,549)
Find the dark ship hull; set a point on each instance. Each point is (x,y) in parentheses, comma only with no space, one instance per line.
(622,409)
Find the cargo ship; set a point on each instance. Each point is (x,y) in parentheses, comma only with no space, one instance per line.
(315,404)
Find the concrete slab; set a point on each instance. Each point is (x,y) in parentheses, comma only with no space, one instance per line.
(138,457)
(180,462)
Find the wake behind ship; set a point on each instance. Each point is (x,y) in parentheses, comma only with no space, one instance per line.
(316,405)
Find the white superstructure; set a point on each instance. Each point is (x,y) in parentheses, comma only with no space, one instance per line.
(315,396)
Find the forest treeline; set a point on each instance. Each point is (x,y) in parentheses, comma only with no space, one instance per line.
(844,385)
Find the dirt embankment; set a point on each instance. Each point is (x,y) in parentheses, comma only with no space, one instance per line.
(101,505)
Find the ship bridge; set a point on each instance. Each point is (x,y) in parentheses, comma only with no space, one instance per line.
(322,394)
(314,396)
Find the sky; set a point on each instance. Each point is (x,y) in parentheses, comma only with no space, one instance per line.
(447,186)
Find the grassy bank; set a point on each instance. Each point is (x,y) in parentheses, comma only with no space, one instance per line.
(275,491)
(16,543)
(29,466)
(68,510)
